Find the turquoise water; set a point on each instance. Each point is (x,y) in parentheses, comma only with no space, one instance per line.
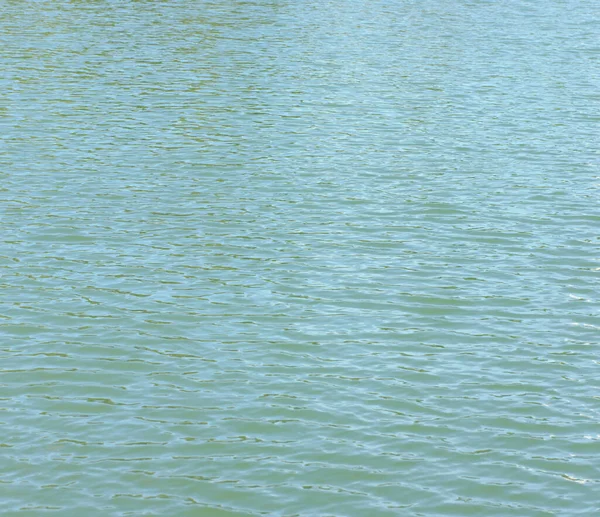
(332,258)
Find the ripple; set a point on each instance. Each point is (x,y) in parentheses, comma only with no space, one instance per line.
(276,258)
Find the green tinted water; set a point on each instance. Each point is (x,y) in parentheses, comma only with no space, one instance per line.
(299,258)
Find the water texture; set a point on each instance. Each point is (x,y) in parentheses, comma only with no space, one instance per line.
(311,258)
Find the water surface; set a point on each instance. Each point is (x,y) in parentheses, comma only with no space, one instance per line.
(333,258)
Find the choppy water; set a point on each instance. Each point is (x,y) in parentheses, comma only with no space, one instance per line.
(299,258)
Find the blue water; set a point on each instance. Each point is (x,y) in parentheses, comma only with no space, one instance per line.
(330,258)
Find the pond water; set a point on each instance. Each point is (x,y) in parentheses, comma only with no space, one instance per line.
(275,257)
